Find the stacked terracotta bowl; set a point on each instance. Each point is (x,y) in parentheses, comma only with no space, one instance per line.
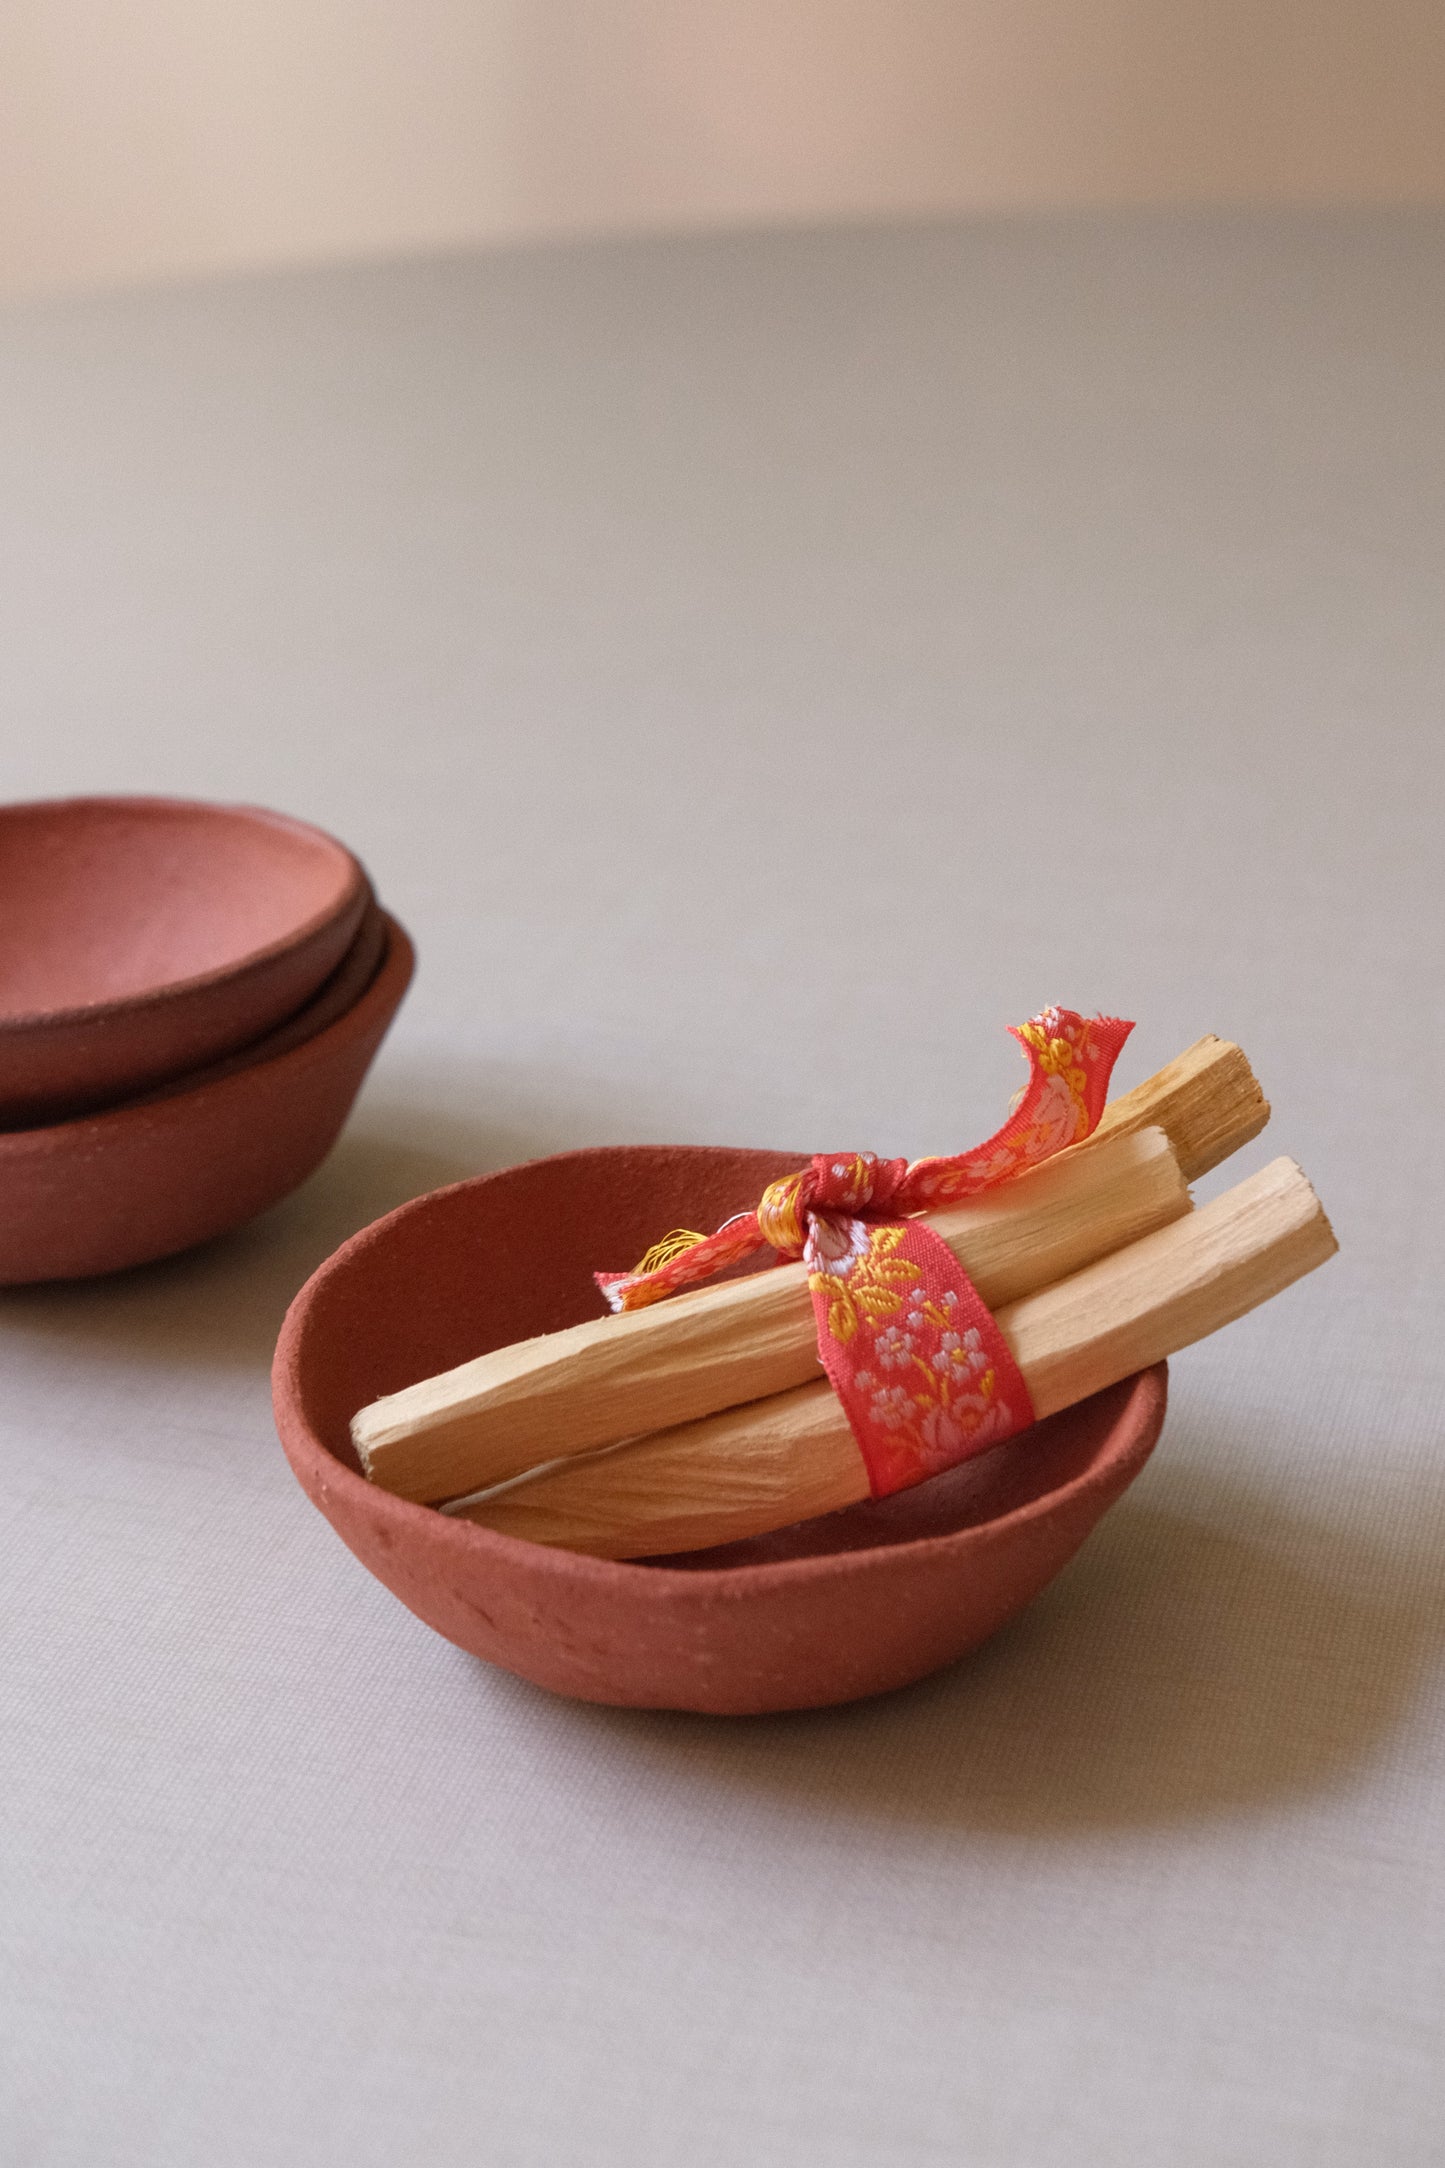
(190,996)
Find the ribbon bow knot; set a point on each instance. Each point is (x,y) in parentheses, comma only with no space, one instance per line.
(857,1185)
(912,1351)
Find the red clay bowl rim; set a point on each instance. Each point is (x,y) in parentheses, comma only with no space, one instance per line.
(257,1052)
(13,1022)
(308,1453)
(387,985)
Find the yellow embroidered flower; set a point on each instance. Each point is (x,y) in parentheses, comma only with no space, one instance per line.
(867,1282)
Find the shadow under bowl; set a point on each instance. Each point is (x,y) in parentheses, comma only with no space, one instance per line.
(852,1604)
(160,1174)
(143,937)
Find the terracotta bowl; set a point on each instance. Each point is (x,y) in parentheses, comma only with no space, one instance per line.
(835,1608)
(345,987)
(144,1180)
(143,937)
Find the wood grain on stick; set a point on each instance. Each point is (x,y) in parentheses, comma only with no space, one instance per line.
(762,1466)
(619,1377)
(1207,1101)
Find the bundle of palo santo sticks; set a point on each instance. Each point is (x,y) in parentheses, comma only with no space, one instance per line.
(707,1418)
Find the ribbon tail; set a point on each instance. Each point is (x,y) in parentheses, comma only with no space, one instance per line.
(1071,1059)
(685,1260)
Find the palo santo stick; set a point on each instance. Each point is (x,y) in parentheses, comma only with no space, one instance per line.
(1207,1101)
(621,1377)
(760,1467)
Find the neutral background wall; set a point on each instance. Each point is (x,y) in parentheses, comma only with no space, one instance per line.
(163,136)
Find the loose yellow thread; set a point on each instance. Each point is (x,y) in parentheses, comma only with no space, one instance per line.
(674,1244)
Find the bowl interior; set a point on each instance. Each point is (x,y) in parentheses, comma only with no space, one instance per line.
(471,1268)
(358,968)
(500,1258)
(108,900)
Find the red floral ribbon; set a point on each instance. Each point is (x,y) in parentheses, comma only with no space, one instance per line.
(910,1348)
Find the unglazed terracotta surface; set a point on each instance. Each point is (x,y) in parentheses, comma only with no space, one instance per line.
(832,1609)
(156,1176)
(346,985)
(143,937)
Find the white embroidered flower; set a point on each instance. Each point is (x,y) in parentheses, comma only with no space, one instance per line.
(861,1176)
(835,1244)
(864,1380)
(894,1347)
(971,1423)
(858,1176)
(1001,1162)
(961,1354)
(889,1406)
(942,1433)
(980,1420)
(1056,1119)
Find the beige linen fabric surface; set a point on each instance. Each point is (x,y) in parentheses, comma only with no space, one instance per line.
(757,670)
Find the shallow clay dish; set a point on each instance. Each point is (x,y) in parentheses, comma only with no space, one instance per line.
(143,937)
(141,1181)
(835,1608)
(346,985)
